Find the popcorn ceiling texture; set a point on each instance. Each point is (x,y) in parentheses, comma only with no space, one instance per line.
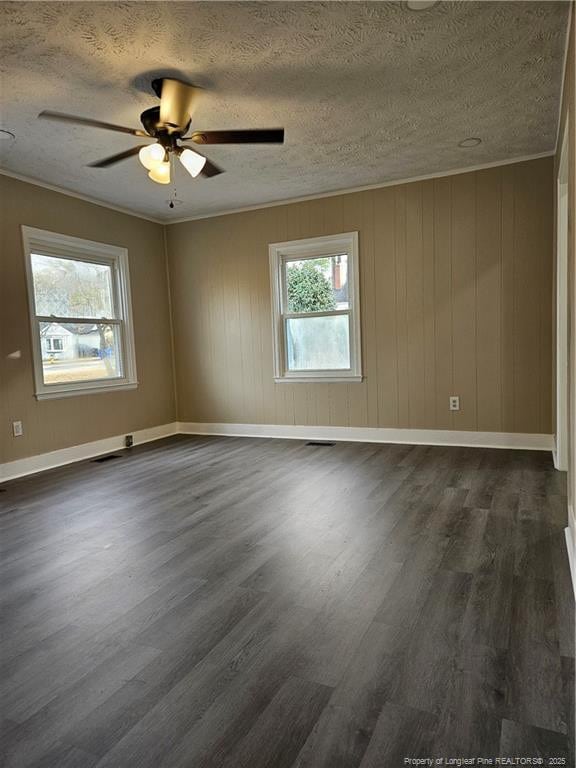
(367,92)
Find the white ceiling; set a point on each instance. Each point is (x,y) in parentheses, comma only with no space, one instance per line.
(367,92)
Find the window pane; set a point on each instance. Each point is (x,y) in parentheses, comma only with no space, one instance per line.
(318,343)
(317,285)
(85,352)
(69,288)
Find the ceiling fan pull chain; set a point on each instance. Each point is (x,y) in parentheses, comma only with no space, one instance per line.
(173,200)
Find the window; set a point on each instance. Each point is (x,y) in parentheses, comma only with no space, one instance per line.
(315,306)
(54,344)
(79,298)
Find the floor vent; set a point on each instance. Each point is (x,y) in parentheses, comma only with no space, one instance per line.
(322,443)
(102,459)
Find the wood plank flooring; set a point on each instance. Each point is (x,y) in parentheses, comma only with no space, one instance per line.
(249,603)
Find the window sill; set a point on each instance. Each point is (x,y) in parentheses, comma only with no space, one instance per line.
(317,379)
(59,393)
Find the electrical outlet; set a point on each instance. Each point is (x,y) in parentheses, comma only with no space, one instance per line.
(17,429)
(454,403)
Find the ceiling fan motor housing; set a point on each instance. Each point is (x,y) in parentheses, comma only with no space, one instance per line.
(150,119)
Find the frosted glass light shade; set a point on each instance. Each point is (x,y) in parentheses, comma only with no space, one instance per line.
(192,161)
(160,173)
(151,155)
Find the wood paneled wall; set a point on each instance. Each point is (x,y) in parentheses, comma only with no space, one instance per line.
(60,423)
(456,299)
(568,115)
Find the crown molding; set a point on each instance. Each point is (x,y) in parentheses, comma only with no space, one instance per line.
(367,188)
(78,196)
(560,127)
(276,203)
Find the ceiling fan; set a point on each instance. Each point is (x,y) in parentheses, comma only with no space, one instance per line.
(168,125)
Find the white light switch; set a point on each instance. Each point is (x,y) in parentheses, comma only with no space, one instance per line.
(454,403)
(17,429)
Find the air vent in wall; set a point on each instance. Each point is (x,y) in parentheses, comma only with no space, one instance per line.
(323,443)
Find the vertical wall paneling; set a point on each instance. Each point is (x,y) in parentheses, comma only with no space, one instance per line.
(488,299)
(443,346)
(456,299)
(50,425)
(386,310)
(463,289)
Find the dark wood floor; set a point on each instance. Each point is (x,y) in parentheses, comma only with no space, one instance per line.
(246,603)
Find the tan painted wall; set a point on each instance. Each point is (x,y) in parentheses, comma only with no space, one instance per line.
(569,113)
(456,292)
(456,287)
(53,424)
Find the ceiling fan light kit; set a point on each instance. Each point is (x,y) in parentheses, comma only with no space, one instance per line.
(160,173)
(192,161)
(151,155)
(169,124)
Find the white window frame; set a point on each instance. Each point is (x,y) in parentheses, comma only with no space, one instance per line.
(562,323)
(47,243)
(50,344)
(314,248)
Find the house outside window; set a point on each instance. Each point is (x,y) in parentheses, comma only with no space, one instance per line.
(316,309)
(80,314)
(54,344)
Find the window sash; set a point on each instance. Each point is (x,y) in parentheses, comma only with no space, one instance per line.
(121,348)
(284,260)
(315,371)
(78,320)
(323,313)
(281,254)
(50,244)
(305,315)
(108,261)
(70,253)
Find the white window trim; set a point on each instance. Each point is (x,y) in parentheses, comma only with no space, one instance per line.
(50,344)
(64,246)
(562,322)
(313,248)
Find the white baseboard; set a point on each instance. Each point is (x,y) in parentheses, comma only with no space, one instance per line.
(559,463)
(39,463)
(32,464)
(376,435)
(570,534)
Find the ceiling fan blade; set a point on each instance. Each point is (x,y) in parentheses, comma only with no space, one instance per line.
(63,118)
(176,102)
(116,158)
(252,136)
(210,169)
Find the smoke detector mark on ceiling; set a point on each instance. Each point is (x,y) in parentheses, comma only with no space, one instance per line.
(473,141)
(421,5)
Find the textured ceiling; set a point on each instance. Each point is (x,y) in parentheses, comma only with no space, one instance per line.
(367,92)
